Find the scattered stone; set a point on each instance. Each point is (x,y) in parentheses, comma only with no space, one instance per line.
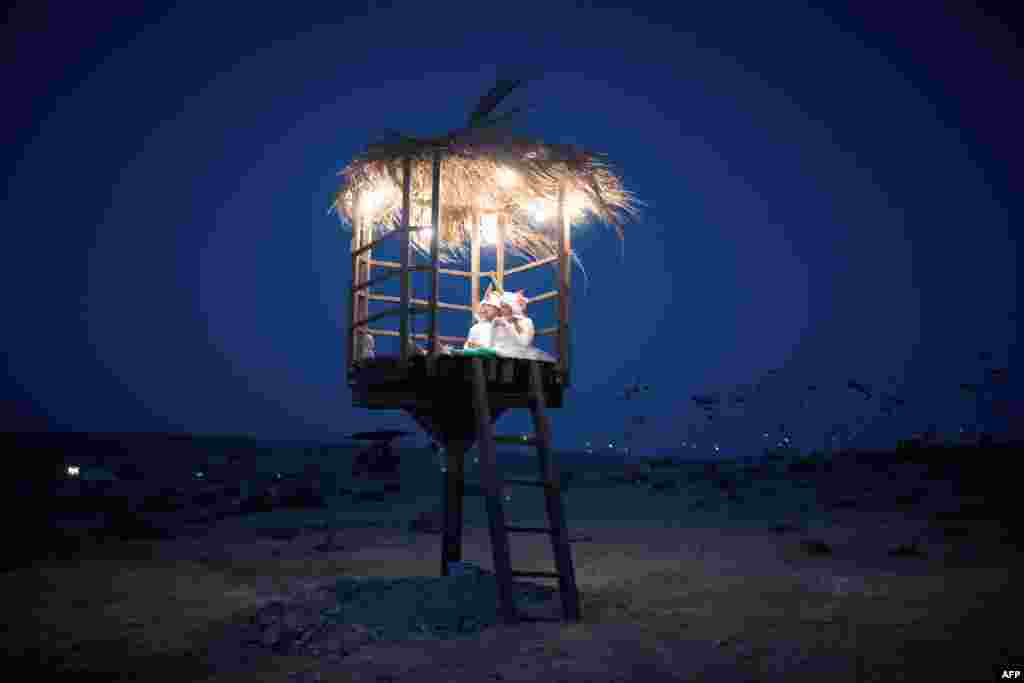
(801,466)
(374,496)
(330,544)
(955,531)
(279,533)
(668,485)
(845,503)
(428,522)
(813,546)
(907,550)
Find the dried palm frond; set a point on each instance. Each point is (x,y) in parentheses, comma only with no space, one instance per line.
(487,169)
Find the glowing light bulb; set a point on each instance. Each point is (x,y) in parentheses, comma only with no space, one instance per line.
(507,177)
(540,210)
(374,199)
(489,228)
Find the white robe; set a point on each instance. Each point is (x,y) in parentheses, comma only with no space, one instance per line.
(482,333)
(507,342)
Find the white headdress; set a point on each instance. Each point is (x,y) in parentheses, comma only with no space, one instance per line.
(516,301)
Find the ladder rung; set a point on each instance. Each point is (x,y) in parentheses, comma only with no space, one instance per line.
(537,575)
(527,482)
(518,440)
(529,530)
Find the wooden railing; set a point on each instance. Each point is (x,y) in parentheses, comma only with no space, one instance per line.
(360,296)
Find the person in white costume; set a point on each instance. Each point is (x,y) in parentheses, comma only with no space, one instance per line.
(481,335)
(513,331)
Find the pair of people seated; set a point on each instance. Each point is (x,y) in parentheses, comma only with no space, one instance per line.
(502,326)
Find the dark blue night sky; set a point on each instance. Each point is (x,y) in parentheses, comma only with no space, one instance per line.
(827,195)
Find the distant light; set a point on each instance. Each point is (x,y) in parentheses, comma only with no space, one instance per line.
(507,497)
(74,470)
(611,445)
(199,475)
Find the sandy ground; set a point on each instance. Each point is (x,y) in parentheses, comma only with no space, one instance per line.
(662,601)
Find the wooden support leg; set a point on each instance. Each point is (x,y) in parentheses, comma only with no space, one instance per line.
(493,494)
(454,490)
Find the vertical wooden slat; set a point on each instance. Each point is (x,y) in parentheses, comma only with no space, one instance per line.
(435,274)
(403,245)
(353,298)
(552,498)
(499,275)
(474,278)
(492,495)
(564,250)
(454,493)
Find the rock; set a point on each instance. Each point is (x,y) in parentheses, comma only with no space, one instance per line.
(635,472)
(279,533)
(907,550)
(375,496)
(668,485)
(845,503)
(428,522)
(272,635)
(814,546)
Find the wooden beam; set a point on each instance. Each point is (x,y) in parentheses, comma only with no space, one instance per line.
(404,252)
(553,294)
(377,316)
(474,274)
(350,324)
(492,496)
(388,235)
(423,303)
(454,492)
(394,265)
(385,277)
(564,250)
(435,237)
(535,264)
(394,333)
(500,253)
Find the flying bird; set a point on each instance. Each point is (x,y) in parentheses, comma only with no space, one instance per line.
(860,388)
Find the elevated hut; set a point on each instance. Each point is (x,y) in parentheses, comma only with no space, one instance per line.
(444,199)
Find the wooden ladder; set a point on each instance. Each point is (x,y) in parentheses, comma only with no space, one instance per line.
(494,486)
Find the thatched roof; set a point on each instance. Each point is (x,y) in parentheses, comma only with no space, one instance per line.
(488,173)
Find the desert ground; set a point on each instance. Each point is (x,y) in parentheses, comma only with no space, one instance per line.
(854,567)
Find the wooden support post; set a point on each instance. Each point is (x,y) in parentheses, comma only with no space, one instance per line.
(492,494)
(499,273)
(474,275)
(365,267)
(403,242)
(564,265)
(353,313)
(556,514)
(435,238)
(453,485)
